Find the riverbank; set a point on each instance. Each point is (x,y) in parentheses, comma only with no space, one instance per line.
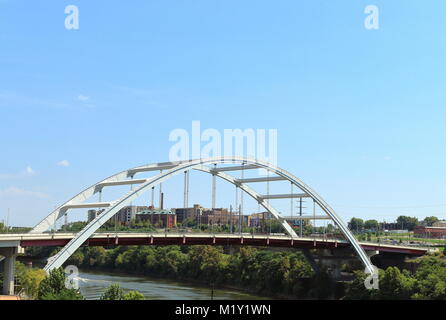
(93,283)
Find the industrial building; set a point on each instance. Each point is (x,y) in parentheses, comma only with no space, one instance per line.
(193,213)
(128,213)
(430,232)
(157,217)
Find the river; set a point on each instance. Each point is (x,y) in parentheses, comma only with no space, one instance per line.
(92,284)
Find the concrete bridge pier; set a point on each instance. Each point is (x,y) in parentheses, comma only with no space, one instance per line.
(372,253)
(329,259)
(10,254)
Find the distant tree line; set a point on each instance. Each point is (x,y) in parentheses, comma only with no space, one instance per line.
(403,222)
(5,229)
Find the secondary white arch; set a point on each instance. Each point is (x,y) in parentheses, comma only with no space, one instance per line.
(50,220)
(177,168)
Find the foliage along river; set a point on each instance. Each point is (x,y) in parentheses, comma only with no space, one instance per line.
(92,284)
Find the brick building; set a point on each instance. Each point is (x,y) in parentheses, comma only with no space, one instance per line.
(158,218)
(430,232)
(193,213)
(128,213)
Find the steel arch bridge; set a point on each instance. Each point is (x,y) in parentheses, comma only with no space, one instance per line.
(168,170)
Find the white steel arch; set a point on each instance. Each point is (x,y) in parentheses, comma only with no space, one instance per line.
(172,169)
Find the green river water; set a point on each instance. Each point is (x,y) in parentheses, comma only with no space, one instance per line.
(92,284)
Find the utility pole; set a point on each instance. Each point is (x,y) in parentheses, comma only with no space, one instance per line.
(7,221)
(186,189)
(240,219)
(231,218)
(236,201)
(161,191)
(300,214)
(241,192)
(214,188)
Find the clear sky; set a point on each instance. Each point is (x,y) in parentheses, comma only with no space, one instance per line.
(360,113)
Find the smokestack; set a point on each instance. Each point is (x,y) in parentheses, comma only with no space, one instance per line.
(162,201)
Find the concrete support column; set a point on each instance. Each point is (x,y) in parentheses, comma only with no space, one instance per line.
(372,253)
(10,255)
(311,260)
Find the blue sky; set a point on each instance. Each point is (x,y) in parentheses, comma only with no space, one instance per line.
(360,113)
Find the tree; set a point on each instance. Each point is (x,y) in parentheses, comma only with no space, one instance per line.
(77,258)
(431,278)
(356,224)
(75,226)
(371,225)
(274,226)
(53,287)
(395,285)
(205,262)
(94,256)
(29,279)
(114,292)
(429,221)
(405,222)
(133,295)
(356,290)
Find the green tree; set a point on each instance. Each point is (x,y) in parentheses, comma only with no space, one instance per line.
(114,292)
(356,290)
(395,285)
(405,222)
(29,279)
(75,226)
(274,226)
(431,278)
(429,221)
(205,262)
(53,287)
(356,224)
(77,258)
(133,295)
(371,225)
(95,256)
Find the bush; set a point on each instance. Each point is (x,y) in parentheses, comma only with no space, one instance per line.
(133,295)
(53,287)
(29,279)
(114,292)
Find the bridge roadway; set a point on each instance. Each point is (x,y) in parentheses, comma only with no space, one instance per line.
(171,238)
